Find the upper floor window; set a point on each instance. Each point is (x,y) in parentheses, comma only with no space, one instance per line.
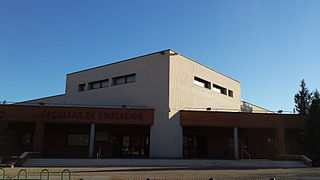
(98,84)
(124,79)
(219,89)
(201,82)
(81,87)
(230,93)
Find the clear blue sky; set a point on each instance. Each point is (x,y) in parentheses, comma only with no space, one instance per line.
(267,45)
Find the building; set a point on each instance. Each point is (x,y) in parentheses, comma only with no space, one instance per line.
(160,105)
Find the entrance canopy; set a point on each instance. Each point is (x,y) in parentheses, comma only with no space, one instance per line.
(240,119)
(236,134)
(76,131)
(78,115)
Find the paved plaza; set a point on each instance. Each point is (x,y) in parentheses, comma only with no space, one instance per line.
(172,173)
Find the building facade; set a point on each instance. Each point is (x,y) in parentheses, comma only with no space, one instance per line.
(160,105)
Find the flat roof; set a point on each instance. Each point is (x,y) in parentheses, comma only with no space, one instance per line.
(247,113)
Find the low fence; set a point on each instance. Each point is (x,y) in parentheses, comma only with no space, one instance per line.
(43,175)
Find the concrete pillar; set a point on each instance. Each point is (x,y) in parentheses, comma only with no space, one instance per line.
(280,141)
(38,136)
(236,142)
(166,136)
(91,140)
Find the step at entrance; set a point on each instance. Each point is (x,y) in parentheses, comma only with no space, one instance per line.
(252,163)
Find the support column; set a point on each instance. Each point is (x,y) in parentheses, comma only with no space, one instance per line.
(236,142)
(91,140)
(38,136)
(280,140)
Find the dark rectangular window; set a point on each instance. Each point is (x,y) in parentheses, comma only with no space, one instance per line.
(124,79)
(78,140)
(219,89)
(98,84)
(271,143)
(26,139)
(201,82)
(131,78)
(81,87)
(230,93)
(101,136)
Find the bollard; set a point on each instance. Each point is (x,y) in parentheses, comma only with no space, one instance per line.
(3,173)
(44,171)
(68,171)
(25,174)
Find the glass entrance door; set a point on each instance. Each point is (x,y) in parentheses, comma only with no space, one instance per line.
(131,146)
(195,146)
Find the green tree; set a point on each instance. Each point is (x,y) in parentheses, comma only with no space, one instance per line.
(311,136)
(303,99)
(316,96)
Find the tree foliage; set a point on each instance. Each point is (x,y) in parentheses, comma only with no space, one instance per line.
(311,135)
(309,103)
(303,99)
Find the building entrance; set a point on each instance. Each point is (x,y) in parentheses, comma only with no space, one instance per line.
(195,146)
(121,141)
(131,146)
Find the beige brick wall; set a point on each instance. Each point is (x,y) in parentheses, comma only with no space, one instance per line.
(184,94)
